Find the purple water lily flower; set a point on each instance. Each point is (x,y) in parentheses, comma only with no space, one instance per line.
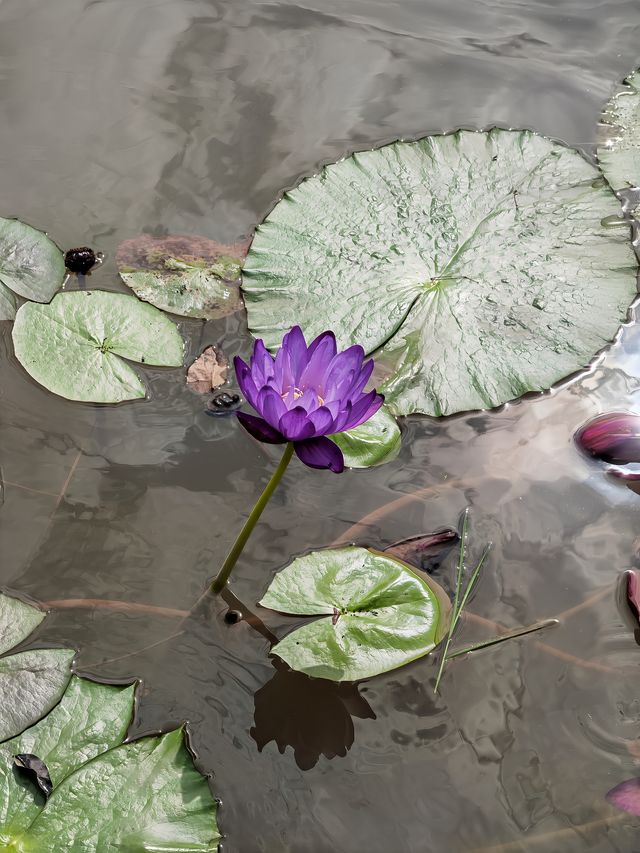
(614,437)
(306,393)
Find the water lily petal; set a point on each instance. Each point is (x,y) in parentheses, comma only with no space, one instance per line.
(295,425)
(262,363)
(309,400)
(245,380)
(271,406)
(315,373)
(333,347)
(320,453)
(364,409)
(296,345)
(260,429)
(626,796)
(614,437)
(344,365)
(357,387)
(322,421)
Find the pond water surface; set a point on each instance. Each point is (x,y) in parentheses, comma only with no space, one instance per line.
(190,116)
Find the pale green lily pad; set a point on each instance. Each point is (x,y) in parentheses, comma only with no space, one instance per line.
(378,613)
(30,262)
(31,682)
(144,795)
(619,144)
(476,266)
(8,304)
(190,276)
(73,346)
(372,443)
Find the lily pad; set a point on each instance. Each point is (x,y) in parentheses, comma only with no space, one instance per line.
(144,795)
(8,303)
(619,148)
(476,266)
(378,613)
(190,276)
(73,345)
(30,262)
(376,441)
(31,682)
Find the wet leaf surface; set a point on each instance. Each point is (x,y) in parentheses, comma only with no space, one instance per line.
(208,371)
(191,276)
(377,441)
(477,266)
(31,264)
(8,304)
(378,613)
(75,346)
(619,148)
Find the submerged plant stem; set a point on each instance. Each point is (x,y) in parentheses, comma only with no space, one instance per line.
(221,579)
(510,635)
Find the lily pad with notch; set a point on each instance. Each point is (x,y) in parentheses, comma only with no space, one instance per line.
(190,276)
(376,613)
(476,266)
(31,682)
(151,797)
(31,264)
(75,346)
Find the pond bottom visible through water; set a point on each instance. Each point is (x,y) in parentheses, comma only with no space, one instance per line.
(189,117)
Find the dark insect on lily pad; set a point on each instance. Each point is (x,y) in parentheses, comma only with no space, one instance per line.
(37,769)
(80,260)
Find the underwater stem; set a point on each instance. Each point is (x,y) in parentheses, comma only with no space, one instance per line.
(220,581)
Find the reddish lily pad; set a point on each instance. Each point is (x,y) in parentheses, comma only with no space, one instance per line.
(187,275)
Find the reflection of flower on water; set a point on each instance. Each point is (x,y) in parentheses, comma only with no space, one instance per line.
(311,715)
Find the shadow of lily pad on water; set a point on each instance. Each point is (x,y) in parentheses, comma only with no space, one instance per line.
(187,275)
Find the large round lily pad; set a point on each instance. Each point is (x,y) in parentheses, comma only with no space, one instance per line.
(73,345)
(378,613)
(619,148)
(475,266)
(190,276)
(30,262)
(374,442)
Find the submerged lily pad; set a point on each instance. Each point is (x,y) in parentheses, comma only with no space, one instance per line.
(191,276)
(73,346)
(30,262)
(376,441)
(476,266)
(31,682)
(144,795)
(378,613)
(619,148)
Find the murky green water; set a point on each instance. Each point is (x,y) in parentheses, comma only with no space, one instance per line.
(119,117)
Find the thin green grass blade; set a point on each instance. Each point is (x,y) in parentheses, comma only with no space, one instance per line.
(519,632)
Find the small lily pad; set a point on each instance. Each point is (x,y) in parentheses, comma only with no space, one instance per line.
(619,146)
(190,276)
(378,614)
(31,682)
(208,371)
(30,262)
(374,442)
(73,346)
(425,551)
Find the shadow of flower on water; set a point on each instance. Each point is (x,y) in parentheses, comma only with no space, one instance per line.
(311,715)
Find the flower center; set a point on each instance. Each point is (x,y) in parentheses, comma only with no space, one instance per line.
(297,393)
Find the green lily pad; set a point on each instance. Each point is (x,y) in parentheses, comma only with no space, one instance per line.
(144,795)
(476,266)
(8,303)
(31,682)
(30,262)
(378,613)
(619,148)
(73,346)
(190,276)
(372,443)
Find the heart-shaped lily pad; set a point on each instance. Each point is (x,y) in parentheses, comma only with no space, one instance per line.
(191,276)
(31,682)
(619,148)
(73,345)
(144,795)
(378,613)
(476,266)
(376,441)
(30,262)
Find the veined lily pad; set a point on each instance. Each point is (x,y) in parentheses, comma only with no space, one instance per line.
(619,148)
(378,613)
(31,682)
(73,345)
(191,276)
(144,795)
(476,266)
(376,441)
(30,263)
(7,303)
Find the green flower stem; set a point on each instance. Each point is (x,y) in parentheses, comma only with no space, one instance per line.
(222,577)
